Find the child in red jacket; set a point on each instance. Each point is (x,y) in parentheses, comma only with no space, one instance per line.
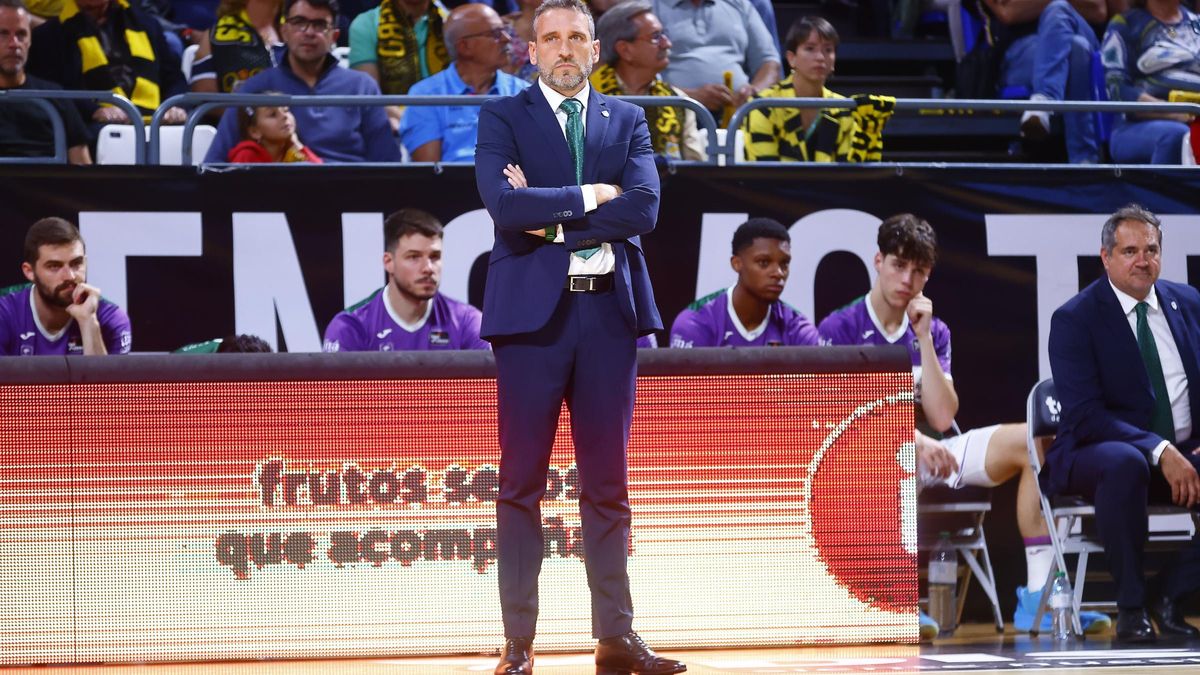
(269,135)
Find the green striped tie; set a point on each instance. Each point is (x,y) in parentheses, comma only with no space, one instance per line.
(574,108)
(1161,422)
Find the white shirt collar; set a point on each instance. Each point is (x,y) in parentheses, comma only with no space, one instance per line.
(1128,302)
(890,337)
(555,99)
(37,321)
(410,327)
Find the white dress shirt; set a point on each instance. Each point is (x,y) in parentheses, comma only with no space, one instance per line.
(602,262)
(1168,355)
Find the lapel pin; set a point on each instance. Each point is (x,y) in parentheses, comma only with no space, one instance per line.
(604,113)
(1174,306)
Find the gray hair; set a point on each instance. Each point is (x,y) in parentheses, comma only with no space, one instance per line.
(616,25)
(574,5)
(1131,211)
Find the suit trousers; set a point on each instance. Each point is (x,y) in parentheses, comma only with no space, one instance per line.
(585,355)
(1118,479)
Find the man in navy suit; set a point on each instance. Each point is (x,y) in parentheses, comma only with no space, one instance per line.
(1123,352)
(568,177)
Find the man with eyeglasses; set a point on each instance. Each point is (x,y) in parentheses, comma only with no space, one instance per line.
(634,49)
(334,133)
(478,43)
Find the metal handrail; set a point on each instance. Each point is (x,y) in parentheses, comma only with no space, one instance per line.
(40,98)
(988,105)
(201,104)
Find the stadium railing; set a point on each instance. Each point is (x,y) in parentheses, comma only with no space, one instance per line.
(199,105)
(42,98)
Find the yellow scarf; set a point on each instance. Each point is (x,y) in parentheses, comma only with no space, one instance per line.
(94,62)
(666,122)
(399,62)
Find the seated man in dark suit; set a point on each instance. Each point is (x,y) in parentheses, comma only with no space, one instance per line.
(1123,352)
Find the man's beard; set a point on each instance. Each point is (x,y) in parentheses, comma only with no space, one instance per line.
(567,82)
(412,292)
(54,297)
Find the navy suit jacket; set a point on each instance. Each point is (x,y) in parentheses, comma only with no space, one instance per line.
(526,274)
(1098,372)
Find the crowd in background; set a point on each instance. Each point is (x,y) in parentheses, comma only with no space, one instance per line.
(720,53)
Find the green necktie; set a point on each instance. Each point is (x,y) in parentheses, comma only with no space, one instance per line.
(1161,422)
(574,110)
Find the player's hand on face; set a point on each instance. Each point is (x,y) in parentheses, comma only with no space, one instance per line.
(920,315)
(1182,477)
(934,457)
(516,177)
(84,302)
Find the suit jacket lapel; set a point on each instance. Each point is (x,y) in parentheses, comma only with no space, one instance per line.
(545,119)
(1179,331)
(1116,323)
(596,130)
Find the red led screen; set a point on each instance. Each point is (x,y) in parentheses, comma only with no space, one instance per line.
(145,522)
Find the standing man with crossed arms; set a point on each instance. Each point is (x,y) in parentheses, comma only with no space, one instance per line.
(567,297)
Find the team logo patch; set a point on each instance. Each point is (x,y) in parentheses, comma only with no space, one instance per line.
(439,338)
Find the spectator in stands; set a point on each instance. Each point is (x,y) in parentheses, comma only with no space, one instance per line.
(1051,56)
(25,129)
(335,134)
(399,43)
(230,344)
(109,45)
(520,34)
(634,49)
(750,313)
(478,44)
(715,37)
(58,312)
(896,311)
(1123,353)
(239,46)
(1150,51)
(269,135)
(408,313)
(810,134)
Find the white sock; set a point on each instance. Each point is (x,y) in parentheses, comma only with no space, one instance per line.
(1042,115)
(1038,561)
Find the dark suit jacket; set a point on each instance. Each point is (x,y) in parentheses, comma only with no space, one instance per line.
(1098,373)
(526,274)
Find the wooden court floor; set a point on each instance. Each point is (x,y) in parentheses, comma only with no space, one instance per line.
(974,649)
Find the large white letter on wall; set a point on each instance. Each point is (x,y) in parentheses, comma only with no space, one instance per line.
(817,235)
(112,236)
(267,281)
(465,238)
(362,256)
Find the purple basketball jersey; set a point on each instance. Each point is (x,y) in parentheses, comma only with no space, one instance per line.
(711,322)
(371,326)
(21,333)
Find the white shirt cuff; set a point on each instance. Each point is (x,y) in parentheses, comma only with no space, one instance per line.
(1156,454)
(589,197)
(558,238)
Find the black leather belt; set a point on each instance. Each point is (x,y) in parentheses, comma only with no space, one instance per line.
(586,283)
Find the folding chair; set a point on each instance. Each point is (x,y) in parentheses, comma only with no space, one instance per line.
(961,512)
(1170,526)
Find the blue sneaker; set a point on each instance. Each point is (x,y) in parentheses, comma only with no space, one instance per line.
(929,627)
(1027,604)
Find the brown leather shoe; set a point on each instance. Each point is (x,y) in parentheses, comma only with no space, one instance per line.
(517,658)
(627,654)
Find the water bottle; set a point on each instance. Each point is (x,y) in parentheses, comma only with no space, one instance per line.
(943,585)
(1062,608)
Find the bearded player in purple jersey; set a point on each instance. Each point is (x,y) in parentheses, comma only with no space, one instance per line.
(750,313)
(59,312)
(408,313)
(896,311)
